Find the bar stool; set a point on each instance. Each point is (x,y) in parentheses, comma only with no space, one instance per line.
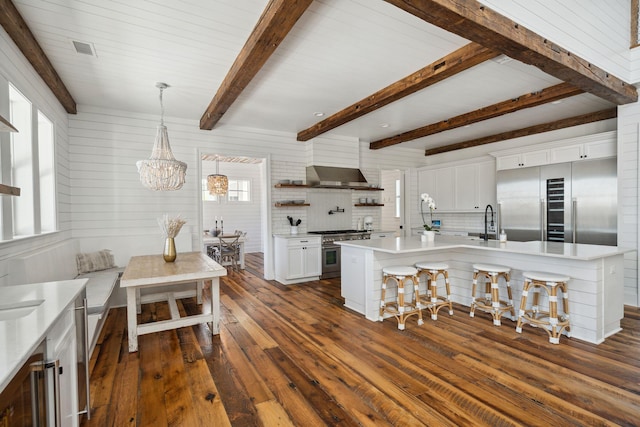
(552,323)
(431,300)
(401,310)
(491,302)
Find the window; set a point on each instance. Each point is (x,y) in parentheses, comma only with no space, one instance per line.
(21,163)
(30,165)
(46,160)
(239,191)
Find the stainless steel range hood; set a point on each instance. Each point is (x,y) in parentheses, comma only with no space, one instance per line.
(334,177)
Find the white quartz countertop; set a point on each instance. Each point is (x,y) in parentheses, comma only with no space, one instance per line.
(295,236)
(400,245)
(20,336)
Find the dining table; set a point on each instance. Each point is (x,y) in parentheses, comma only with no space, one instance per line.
(148,271)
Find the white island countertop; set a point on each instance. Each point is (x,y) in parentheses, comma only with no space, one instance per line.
(20,336)
(413,244)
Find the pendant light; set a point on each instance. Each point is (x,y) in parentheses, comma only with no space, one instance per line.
(162,172)
(217,184)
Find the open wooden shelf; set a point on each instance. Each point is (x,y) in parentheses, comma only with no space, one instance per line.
(367,188)
(295,205)
(368,204)
(11,191)
(291,186)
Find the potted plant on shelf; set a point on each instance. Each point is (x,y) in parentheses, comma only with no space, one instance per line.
(428,233)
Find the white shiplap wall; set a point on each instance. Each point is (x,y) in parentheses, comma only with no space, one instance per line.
(628,160)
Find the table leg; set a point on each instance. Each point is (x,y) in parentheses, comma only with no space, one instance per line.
(132,318)
(199,285)
(138,301)
(215,306)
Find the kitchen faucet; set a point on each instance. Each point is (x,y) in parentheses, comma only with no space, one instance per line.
(486,235)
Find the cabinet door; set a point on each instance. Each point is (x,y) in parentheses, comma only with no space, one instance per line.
(295,262)
(508,162)
(570,153)
(466,189)
(62,346)
(535,158)
(600,149)
(486,185)
(444,192)
(312,261)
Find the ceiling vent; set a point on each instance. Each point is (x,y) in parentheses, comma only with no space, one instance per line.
(84,48)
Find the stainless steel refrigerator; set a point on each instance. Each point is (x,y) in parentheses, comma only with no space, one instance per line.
(568,202)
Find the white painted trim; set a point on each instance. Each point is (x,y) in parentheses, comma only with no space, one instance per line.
(610,135)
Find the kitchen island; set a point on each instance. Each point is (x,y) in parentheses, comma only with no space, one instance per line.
(595,290)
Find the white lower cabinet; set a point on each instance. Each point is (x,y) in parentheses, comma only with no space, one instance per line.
(62,350)
(297,259)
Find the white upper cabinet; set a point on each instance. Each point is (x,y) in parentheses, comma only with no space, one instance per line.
(597,146)
(439,183)
(460,188)
(590,150)
(523,160)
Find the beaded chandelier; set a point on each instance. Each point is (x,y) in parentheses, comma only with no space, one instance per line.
(162,172)
(217,184)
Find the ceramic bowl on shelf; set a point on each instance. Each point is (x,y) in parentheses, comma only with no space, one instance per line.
(297,182)
(284,181)
(362,200)
(297,202)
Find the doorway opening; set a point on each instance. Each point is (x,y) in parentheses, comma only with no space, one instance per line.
(243,208)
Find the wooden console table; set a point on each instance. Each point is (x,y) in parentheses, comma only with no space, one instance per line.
(151,270)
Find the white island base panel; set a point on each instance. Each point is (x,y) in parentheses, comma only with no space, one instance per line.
(596,288)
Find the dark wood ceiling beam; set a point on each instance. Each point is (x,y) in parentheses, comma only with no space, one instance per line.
(462,59)
(17,28)
(531,130)
(277,19)
(475,22)
(553,93)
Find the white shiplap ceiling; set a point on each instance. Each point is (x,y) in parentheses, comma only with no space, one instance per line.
(339,52)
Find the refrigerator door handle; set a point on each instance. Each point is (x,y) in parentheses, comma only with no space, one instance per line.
(574,218)
(543,219)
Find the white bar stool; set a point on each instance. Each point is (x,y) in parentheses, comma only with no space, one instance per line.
(431,300)
(553,323)
(401,310)
(491,302)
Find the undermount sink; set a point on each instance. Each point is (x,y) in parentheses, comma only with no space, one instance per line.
(18,309)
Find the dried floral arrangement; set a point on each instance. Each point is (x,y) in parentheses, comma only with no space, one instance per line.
(170,226)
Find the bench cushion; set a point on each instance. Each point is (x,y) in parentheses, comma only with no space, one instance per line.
(99,288)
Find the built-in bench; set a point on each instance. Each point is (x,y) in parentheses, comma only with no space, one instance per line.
(58,262)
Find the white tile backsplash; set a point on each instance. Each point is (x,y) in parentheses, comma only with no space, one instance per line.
(324,200)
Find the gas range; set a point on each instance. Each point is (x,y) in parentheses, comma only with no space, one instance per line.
(331,236)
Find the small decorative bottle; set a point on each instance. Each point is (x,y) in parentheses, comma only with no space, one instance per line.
(503,236)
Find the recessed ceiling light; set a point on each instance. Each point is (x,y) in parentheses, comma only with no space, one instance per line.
(318,114)
(556,102)
(384,125)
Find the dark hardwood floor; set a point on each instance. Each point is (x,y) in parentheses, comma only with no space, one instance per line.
(294,356)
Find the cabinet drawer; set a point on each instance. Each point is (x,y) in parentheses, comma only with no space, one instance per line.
(303,241)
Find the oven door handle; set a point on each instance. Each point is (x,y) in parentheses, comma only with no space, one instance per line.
(331,247)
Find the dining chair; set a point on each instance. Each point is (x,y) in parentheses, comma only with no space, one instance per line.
(228,250)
